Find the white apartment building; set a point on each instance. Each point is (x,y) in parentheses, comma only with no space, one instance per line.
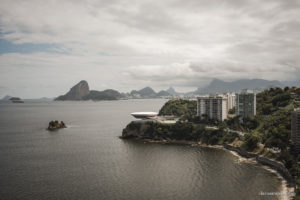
(231,100)
(215,107)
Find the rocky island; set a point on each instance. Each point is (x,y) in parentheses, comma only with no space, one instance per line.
(16,100)
(55,125)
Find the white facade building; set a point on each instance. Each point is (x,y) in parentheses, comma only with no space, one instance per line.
(215,107)
(231,100)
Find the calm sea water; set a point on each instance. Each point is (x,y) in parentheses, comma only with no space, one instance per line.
(87,160)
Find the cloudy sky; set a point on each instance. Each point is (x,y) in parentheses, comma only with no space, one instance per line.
(48,46)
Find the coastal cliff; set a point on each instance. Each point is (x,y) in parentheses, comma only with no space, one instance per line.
(141,129)
(151,129)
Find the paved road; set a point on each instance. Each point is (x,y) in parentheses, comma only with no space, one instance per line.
(227,130)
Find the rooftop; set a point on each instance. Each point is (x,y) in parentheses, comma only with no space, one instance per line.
(247,91)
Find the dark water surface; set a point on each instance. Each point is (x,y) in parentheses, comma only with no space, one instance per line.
(88,161)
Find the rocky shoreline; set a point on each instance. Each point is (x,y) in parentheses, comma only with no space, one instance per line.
(153,132)
(277,167)
(273,164)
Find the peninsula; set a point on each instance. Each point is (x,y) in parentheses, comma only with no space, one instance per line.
(264,137)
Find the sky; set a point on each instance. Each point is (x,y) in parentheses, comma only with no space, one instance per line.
(46,47)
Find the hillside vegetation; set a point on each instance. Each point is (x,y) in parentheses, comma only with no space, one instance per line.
(269,129)
(272,123)
(180,131)
(103,95)
(179,107)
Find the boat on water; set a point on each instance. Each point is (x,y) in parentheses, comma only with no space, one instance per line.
(144,115)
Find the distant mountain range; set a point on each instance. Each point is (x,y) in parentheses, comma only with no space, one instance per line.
(6,98)
(148,92)
(172,91)
(81,90)
(145,92)
(219,86)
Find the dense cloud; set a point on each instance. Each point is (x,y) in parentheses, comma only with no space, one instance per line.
(123,44)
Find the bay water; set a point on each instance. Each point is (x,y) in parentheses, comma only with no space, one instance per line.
(87,160)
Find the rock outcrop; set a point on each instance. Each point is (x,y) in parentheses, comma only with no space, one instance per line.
(54,125)
(142,129)
(81,91)
(76,93)
(278,166)
(240,151)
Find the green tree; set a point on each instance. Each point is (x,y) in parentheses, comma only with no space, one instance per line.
(267,109)
(251,141)
(232,111)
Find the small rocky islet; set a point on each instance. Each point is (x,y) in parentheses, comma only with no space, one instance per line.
(55,125)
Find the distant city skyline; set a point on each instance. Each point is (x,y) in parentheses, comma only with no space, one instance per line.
(47,47)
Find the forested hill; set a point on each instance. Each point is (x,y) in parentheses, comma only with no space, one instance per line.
(179,107)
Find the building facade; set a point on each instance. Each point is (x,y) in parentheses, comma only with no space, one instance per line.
(214,107)
(246,103)
(295,135)
(230,100)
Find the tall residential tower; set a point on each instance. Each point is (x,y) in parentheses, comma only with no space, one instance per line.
(246,103)
(214,107)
